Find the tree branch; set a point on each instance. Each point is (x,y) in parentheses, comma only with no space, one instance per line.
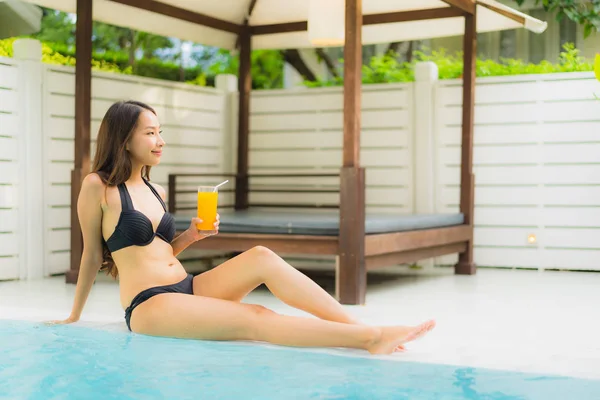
(393,47)
(409,52)
(292,57)
(586,14)
(328,62)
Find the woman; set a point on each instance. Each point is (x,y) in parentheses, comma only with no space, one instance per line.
(125,224)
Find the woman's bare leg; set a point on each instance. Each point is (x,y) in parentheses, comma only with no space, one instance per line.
(197,317)
(237,277)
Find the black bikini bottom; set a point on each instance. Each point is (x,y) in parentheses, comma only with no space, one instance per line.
(185,286)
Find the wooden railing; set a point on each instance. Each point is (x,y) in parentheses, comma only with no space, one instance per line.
(241,181)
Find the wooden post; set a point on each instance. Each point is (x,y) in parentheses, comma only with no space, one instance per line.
(83,94)
(352,83)
(465,263)
(244,88)
(172,195)
(352,279)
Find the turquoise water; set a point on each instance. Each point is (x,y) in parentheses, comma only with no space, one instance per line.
(67,362)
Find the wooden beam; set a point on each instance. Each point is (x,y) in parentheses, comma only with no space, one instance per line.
(370,19)
(413,15)
(244,88)
(250,9)
(286,27)
(383,243)
(409,256)
(465,263)
(246,21)
(182,14)
(515,17)
(467,6)
(83,98)
(292,244)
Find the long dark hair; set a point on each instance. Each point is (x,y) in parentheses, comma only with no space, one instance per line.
(111,161)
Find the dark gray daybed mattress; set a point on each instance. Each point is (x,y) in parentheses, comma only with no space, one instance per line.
(318,223)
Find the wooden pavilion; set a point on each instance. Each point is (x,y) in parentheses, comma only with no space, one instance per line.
(243,25)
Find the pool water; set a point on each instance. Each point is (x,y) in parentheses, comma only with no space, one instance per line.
(70,362)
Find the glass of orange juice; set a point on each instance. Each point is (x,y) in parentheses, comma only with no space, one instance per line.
(207,207)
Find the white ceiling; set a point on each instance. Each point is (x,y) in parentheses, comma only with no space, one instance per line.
(281,11)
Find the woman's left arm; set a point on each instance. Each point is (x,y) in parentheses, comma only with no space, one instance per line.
(191,235)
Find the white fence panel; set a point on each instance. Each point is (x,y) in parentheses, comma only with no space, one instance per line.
(9,169)
(537,169)
(301,131)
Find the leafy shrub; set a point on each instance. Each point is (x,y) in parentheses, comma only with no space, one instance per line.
(387,69)
(267,66)
(6,48)
(59,54)
(51,56)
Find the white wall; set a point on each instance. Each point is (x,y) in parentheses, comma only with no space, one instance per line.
(537,169)
(9,167)
(301,130)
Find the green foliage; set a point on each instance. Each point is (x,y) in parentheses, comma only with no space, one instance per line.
(56,27)
(116,39)
(200,80)
(386,68)
(151,68)
(587,13)
(597,69)
(266,67)
(52,56)
(222,62)
(123,50)
(114,49)
(59,27)
(116,62)
(155,68)
(6,48)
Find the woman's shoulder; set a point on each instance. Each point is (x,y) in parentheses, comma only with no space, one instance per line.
(94,187)
(159,189)
(93,181)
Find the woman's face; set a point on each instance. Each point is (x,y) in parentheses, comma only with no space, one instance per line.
(146,143)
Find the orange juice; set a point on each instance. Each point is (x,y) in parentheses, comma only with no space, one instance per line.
(207,209)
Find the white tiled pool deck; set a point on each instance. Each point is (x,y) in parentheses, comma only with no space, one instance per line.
(530,321)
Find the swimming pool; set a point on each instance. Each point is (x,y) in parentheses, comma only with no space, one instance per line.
(70,362)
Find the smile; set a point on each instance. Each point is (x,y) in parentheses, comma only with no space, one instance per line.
(158,153)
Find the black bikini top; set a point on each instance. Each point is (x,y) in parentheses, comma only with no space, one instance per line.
(134,228)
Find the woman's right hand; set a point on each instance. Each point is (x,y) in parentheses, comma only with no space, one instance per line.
(69,320)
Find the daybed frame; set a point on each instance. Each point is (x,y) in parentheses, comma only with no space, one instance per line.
(356,252)
(374,250)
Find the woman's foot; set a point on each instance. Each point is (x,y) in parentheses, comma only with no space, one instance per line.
(393,337)
(400,348)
